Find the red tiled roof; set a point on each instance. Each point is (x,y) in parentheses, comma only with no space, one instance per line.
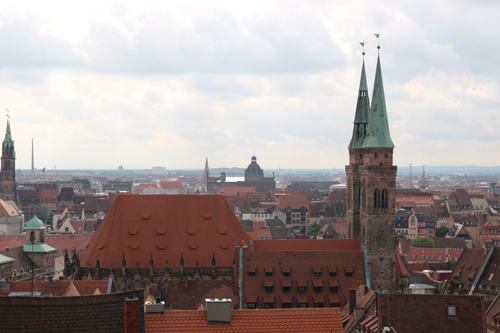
(469,263)
(307,245)
(428,313)
(279,320)
(172,185)
(7,210)
(78,226)
(61,208)
(294,201)
(58,288)
(236,190)
(400,266)
(49,196)
(60,242)
(166,227)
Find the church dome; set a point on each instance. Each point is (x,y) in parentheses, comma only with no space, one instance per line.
(35,223)
(254,167)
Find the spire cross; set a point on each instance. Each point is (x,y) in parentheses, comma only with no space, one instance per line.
(363,45)
(378,37)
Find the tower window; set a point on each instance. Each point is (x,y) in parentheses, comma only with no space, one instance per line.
(376,155)
(386,155)
(360,155)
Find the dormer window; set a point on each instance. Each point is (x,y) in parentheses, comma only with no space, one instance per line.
(452,311)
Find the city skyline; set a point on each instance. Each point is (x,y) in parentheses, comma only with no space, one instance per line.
(98,85)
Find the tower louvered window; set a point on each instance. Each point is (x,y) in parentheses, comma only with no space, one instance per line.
(384,198)
(376,199)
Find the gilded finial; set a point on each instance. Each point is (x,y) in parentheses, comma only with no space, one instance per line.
(378,37)
(363,44)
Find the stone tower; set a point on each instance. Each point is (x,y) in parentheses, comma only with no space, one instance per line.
(254,173)
(8,174)
(371,186)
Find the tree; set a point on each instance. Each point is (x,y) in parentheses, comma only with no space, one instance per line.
(43,213)
(399,235)
(422,242)
(442,231)
(313,229)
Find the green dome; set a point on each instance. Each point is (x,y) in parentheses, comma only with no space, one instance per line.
(35,223)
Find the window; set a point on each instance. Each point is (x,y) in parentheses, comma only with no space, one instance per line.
(302,305)
(269,274)
(286,274)
(251,305)
(268,305)
(317,274)
(452,311)
(318,290)
(349,275)
(333,274)
(334,290)
(268,290)
(490,287)
(286,290)
(66,229)
(251,274)
(302,290)
(386,155)
(286,305)
(32,237)
(318,305)
(376,155)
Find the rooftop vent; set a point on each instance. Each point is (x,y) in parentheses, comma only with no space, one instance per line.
(218,311)
(155,307)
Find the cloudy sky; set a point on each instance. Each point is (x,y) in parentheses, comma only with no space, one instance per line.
(99,84)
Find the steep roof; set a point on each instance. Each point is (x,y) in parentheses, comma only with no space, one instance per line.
(7,209)
(294,201)
(466,269)
(8,142)
(428,313)
(362,111)
(166,227)
(307,245)
(275,320)
(378,135)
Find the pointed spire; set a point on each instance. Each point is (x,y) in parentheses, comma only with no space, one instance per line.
(378,135)
(362,111)
(8,142)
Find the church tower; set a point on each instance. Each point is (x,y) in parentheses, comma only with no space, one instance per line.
(8,174)
(371,189)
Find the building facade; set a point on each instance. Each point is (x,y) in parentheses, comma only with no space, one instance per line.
(371,184)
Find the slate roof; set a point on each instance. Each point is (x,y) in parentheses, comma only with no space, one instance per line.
(95,313)
(428,313)
(236,190)
(279,320)
(166,227)
(490,277)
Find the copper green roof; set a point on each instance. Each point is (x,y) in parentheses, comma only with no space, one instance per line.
(8,142)
(5,259)
(378,135)
(35,223)
(361,117)
(38,248)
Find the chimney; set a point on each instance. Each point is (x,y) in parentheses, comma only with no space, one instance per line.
(218,311)
(352,300)
(132,315)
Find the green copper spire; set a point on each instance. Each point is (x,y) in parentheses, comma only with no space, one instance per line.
(378,135)
(362,109)
(8,142)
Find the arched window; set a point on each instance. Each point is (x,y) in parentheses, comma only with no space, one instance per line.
(32,237)
(384,198)
(376,199)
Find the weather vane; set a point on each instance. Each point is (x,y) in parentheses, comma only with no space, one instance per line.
(363,44)
(378,37)
(8,114)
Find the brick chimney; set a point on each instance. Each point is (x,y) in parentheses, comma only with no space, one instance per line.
(352,300)
(132,315)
